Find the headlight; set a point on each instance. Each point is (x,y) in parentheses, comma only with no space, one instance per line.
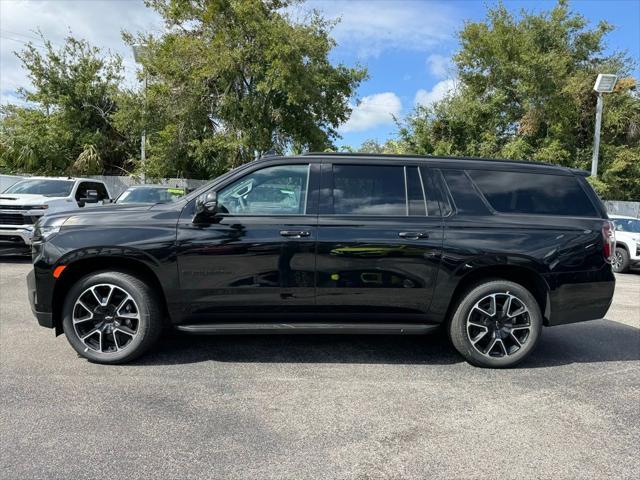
(38,207)
(42,234)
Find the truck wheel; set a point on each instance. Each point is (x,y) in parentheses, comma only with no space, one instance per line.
(111,317)
(620,262)
(496,324)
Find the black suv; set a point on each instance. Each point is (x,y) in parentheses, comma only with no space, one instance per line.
(335,243)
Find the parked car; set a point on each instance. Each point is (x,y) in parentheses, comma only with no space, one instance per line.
(627,254)
(150,194)
(490,250)
(24,202)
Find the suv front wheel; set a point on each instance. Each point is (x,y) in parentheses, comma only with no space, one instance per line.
(111,317)
(496,324)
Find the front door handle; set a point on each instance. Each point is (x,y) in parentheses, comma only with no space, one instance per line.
(294,233)
(413,235)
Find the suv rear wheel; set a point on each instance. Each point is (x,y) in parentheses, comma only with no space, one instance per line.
(496,324)
(111,317)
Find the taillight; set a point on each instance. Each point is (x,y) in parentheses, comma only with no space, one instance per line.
(609,239)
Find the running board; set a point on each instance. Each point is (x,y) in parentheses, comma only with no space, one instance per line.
(305,328)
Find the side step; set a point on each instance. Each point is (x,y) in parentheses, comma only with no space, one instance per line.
(306,328)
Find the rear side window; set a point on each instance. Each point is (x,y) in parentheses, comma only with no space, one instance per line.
(532,193)
(465,197)
(369,190)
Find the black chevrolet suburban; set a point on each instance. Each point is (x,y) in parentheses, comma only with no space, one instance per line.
(334,243)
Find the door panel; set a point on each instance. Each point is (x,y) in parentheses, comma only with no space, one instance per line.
(242,263)
(371,262)
(366,265)
(246,261)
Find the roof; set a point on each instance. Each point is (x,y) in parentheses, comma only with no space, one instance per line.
(439,158)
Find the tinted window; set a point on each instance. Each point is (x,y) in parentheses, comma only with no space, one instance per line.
(81,192)
(48,188)
(369,190)
(102,191)
(465,197)
(532,193)
(280,190)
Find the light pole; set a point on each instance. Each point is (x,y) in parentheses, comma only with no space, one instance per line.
(604,84)
(139,52)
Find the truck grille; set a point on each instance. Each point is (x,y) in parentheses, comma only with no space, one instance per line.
(15,219)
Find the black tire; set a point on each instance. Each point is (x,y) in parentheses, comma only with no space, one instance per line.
(515,336)
(620,261)
(144,331)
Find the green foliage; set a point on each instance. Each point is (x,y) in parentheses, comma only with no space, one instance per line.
(233,79)
(525,91)
(69,108)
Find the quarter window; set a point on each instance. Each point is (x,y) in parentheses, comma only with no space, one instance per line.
(279,190)
(532,193)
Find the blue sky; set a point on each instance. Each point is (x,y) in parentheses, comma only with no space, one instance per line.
(406,45)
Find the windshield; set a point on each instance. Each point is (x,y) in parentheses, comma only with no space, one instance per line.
(627,225)
(48,188)
(150,195)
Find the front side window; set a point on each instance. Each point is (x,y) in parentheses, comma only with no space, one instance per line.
(81,192)
(279,190)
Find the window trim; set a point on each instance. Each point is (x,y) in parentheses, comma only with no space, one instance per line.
(424,194)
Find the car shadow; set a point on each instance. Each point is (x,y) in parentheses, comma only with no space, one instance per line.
(589,342)
(17,259)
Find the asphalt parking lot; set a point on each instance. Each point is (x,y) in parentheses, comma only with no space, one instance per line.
(301,407)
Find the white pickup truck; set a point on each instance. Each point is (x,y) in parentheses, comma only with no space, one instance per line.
(627,243)
(24,202)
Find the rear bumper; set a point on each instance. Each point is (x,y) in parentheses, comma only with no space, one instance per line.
(45,319)
(580,296)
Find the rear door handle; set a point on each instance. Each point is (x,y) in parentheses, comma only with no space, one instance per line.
(294,233)
(413,235)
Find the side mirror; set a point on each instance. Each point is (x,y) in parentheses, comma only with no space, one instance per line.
(206,205)
(92,197)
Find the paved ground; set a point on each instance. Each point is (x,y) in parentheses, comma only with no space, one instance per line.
(320,407)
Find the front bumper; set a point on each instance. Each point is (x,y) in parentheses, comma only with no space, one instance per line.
(16,234)
(44,318)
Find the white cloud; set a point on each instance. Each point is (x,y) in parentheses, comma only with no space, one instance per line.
(439,91)
(98,21)
(439,65)
(368,28)
(373,111)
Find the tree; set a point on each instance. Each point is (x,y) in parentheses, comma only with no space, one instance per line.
(67,113)
(232,79)
(525,91)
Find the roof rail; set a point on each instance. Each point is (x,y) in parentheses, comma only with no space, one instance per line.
(424,157)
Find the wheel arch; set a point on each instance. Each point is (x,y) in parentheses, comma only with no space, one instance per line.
(622,245)
(84,266)
(528,278)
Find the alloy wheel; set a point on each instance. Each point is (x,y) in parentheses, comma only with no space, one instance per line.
(498,325)
(617,261)
(106,318)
